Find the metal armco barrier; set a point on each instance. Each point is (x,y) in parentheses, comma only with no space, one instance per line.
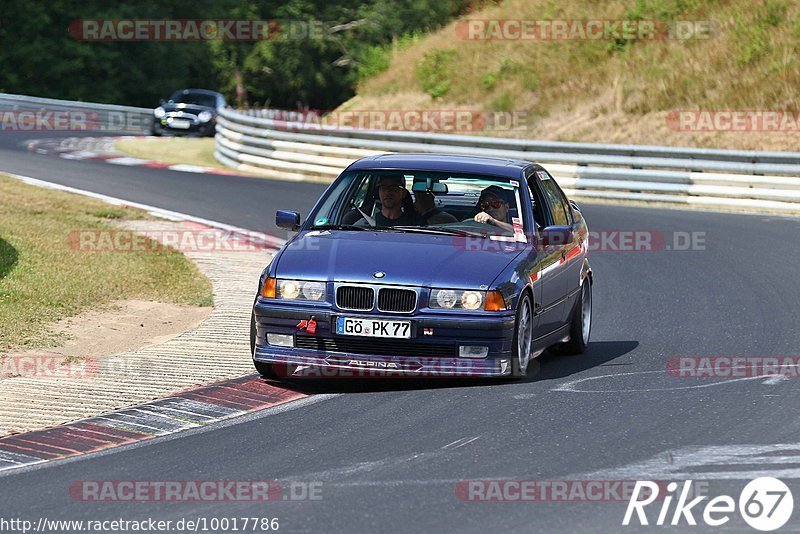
(31,113)
(269,143)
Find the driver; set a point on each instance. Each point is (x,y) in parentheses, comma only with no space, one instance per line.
(493,208)
(394,197)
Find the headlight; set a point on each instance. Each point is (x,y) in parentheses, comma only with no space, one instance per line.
(289,289)
(456,299)
(313,290)
(204,116)
(471,300)
(450,299)
(445,298)
(301,290)
(159,112)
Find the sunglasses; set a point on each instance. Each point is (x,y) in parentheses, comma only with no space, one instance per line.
(491,204)
(390,188)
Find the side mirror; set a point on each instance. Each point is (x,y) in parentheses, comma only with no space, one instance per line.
(287,219)
(556,236)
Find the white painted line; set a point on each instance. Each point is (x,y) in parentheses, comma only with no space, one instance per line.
(776,379)
(689,463)
(178,414)
(126,161)
(158,212)
(198,407)
(572,385)
(460,442)
(188,168)
(126,425)
(155,417)
(18,459)
(80,154)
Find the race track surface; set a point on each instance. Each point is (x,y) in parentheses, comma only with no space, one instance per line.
(390,454)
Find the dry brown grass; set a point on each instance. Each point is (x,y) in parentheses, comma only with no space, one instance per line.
(43,278)
(596,91)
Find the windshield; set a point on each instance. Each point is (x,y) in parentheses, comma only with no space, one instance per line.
(425,201)
(199,99)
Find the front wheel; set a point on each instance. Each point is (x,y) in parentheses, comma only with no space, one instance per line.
(523,338)
(581,325)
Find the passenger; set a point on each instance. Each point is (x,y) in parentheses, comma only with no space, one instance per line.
(425,204)
(394,198)
(493,208)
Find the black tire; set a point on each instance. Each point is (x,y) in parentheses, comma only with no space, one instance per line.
(268,370)
(519,366)
(578,342)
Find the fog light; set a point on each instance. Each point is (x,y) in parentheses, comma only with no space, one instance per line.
(504,365)
(280,340)
(472,351)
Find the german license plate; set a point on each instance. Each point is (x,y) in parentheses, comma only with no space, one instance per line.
(368,327)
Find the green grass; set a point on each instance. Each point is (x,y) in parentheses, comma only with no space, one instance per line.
(42,279)
(186,150)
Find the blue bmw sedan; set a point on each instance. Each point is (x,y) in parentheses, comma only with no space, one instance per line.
(426,265)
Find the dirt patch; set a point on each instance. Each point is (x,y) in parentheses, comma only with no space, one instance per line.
(123,326)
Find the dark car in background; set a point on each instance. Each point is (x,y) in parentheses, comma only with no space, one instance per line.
(188,111)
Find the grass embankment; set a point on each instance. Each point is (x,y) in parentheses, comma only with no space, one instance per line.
(43,279)
(185,150)
(618,91)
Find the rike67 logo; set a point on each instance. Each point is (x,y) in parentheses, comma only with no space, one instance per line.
(765,504)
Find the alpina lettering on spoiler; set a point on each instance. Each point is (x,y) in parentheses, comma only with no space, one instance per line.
(378,365)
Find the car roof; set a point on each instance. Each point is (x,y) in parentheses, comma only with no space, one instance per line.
(201,91)
(443,162)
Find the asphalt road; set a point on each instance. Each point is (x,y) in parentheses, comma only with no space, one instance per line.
(389,454)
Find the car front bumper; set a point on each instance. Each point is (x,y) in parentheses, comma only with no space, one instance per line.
(431,352)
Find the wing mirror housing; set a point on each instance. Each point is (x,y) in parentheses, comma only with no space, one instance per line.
(555,236)
(290,220)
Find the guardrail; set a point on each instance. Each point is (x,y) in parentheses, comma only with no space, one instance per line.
(277,144)
(31,113)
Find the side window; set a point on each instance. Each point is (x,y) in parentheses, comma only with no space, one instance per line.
(361,194)
(555,200)
(540,212)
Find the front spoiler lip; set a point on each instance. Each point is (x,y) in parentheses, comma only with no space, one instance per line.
(407,366)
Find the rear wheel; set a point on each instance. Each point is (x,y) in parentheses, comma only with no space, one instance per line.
(581,325)
(523,338)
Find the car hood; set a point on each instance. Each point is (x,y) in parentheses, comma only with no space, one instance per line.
(406,259)
(188,108)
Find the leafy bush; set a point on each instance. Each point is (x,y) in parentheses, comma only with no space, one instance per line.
(434,71)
